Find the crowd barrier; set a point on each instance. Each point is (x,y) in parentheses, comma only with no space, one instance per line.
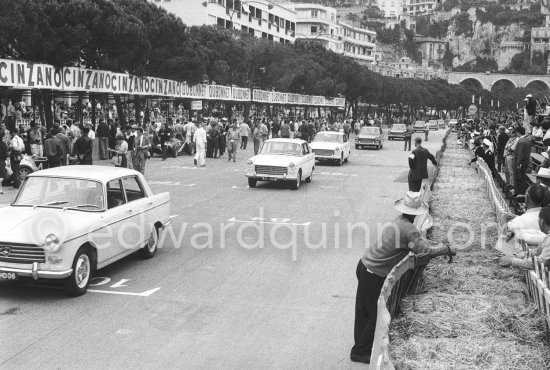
(538,283)
(537,280)
(402,280)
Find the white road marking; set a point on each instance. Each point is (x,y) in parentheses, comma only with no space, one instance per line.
(239,187)
(169,183)
(268,222)
(337,174)
(184,167)
(143,294)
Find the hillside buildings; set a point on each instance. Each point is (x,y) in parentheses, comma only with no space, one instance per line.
(279,22)
(540,37)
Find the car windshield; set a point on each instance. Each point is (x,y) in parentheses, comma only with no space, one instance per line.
(56,192)
(399,126)
(369,131)
(281,148)
(420,123)
(330,138)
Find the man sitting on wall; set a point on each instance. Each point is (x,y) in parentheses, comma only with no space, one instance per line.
(397,239)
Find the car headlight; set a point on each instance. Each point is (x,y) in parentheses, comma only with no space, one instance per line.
(249,163)
(291,167)
(52,243)
(336,149)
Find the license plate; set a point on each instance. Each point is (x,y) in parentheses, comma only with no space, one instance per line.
(8,276)
(271,179)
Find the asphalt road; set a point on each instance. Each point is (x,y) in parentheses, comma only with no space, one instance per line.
(250,278)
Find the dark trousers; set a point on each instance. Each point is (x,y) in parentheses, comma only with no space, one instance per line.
(522,183)
(500,162)
(215,148)
(368,290)
(164,149)
(408,142)
(54,162)
(415,185)
(209,148)
(15,169)
(244,142)
(103,147)
(426,133)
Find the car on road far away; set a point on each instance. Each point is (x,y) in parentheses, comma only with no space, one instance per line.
(67,221)
(26,167)
(370,137)
(453,123)
(433,125)
(419,126)
(289,160)
(441,124)
(331,146)
(397,131)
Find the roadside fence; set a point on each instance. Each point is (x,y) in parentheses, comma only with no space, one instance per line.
(402,280)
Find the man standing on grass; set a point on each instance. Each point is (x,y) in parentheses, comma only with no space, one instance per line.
(418,164)
(397,239)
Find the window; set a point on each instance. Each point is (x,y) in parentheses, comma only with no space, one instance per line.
(221,22)
(251,31)
(115,197)
(264,35)
(134,190)
(313,30)
(314,13)
(305,149)
(270,37)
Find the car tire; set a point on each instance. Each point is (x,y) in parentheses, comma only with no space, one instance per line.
(356,146)
(77,284)
(252,182)
(296,184)
(310,178)
(24,172)
(347,158)
(151,248)
(341,160)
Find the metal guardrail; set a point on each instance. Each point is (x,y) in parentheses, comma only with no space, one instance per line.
(402,280)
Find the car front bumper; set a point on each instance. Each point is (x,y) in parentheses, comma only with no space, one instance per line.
(261,177)
(373,144)
(36,273)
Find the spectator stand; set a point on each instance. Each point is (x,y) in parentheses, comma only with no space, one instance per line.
(402,280)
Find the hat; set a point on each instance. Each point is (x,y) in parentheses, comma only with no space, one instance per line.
(224,119)
(134,127)
(487,142)
(411,204)
(529,96)
(543,172)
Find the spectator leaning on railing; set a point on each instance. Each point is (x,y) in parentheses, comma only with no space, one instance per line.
(543,250)
(397,239)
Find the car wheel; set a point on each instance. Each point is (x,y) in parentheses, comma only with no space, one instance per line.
(310,178)
(24,172)
(150,249)
(341,160)
(252,182)
(347,158)
(297,183)
(356,146)
(77,284)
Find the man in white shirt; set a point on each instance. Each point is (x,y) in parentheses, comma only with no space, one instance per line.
(526,227)
(245,129)
(200,141)
(91,133)
(17,148)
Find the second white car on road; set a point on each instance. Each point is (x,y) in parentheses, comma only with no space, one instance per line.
(331,146)
(289,160)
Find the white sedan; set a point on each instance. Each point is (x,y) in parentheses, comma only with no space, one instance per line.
(289,160)
(331,146)
(66,222)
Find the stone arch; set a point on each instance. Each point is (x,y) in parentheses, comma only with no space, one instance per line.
(538,86)
(472,81)
(503,83)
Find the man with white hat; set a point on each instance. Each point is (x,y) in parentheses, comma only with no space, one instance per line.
(397,239)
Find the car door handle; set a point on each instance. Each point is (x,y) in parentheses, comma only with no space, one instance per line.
(130,211)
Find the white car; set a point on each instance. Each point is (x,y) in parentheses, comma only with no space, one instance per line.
(331,146)
(289,160)
(66,222)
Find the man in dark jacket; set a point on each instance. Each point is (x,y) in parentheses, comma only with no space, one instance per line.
(83,147)
(103,137)
(165,136)
(502,139)
(522,157)
(53,149)
(531,108)
(418,164)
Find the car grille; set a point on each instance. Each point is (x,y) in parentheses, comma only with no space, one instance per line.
(323,152)
(271,170)
(366,140)
(21,253)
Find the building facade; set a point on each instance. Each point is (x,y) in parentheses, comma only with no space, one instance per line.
(418,7)
(260,18)
(318,23)
(431,49)
(390,8)
(407,68)
(540,37)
